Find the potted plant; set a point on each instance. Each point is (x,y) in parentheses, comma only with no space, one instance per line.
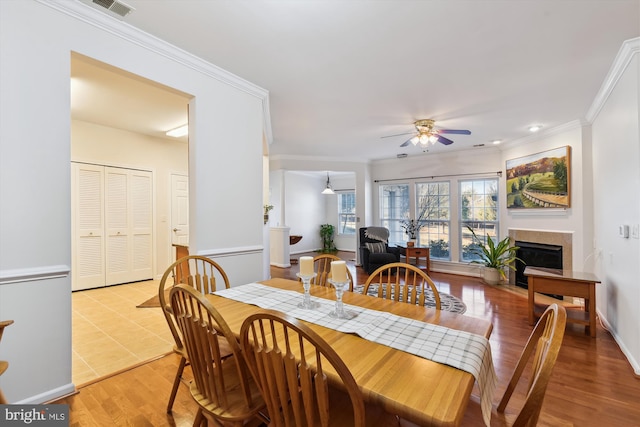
(494,257)
(326,233)
(411,227)
(267,208)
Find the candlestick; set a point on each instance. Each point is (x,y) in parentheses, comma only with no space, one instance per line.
(340,312)
(306,285)
(339,271)
(306,265)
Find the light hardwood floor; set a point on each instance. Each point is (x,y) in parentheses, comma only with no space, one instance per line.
(110,334)
(592,383)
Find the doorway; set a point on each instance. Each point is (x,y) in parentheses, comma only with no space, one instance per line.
(119,120)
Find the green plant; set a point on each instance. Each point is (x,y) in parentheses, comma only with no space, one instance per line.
(326,233)
(494,255)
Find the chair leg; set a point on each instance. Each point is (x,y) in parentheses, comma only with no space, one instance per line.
(199,419)
(176,384)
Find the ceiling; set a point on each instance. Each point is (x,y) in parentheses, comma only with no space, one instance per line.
(343,74)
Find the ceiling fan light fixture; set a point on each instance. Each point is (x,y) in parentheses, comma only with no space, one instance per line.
(535,128)
(424,139)
(328,189)
(415,140)
(433,139)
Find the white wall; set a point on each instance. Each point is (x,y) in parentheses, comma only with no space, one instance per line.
(361,183)
(305,208)
(616,181)
(227,120)
(566,220)
(91,143)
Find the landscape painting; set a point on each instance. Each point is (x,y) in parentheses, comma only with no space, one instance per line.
(540,180)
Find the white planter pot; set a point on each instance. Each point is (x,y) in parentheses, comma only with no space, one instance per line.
(491,275)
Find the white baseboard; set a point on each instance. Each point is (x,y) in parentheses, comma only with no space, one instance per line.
(48,396)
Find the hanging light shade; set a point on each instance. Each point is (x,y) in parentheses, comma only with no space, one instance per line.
(328,189)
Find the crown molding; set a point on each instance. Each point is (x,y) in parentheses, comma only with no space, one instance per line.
(623,58)
(103,21)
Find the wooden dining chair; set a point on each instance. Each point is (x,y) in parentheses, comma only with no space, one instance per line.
(404,282)
(202,274)
(304,382)
(223,388)
(322,267)
(3,363)
(541,350)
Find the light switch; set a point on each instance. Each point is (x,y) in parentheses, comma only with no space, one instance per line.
(635,231)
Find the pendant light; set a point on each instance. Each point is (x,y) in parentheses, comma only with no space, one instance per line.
(328,189)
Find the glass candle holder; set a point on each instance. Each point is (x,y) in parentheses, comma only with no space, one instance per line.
(306,297)
(340,312)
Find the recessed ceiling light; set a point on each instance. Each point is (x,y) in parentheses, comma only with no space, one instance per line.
(496,141)
(179,131)
(535,128)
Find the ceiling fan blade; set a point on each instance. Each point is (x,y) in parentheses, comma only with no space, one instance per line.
(407,142)
(455,131)
(398,134)
(444,140)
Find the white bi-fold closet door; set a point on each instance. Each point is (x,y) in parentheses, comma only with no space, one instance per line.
(112,223)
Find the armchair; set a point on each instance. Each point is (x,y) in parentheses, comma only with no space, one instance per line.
(374,248)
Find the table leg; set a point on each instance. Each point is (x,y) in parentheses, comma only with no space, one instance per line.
(531,302)
(590,304)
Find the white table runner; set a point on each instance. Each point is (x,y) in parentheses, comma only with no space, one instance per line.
(459,349)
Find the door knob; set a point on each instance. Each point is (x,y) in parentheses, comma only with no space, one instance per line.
(175,229)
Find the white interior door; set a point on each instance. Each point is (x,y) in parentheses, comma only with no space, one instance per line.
(112,217)
(88,226)
(180,210)
(117,224)
(141,225)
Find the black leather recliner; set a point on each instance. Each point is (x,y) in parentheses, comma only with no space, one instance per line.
(374,248)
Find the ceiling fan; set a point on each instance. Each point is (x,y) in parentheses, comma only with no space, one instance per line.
(429,134)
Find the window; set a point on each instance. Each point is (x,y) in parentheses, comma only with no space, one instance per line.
(394,207)
(478,210)
(433,211)
(347,212)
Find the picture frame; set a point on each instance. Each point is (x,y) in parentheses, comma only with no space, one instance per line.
(540,180)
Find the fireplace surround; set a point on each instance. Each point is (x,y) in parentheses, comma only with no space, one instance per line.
(536,255)
(563,239)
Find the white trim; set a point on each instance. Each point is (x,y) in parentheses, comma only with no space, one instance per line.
(539,212)
(48,396)
(623,58)
(103,21)
(33,274)
(225,252)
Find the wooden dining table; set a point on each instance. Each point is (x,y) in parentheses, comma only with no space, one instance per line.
(417,389)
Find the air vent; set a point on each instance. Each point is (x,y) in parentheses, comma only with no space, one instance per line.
(402,155)
(478,145)
(116,7)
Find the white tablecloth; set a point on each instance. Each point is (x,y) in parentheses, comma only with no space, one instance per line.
(463,350)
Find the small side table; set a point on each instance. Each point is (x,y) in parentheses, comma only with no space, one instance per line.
(417,252)
(569,283)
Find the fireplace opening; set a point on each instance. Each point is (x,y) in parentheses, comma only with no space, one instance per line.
(536,255)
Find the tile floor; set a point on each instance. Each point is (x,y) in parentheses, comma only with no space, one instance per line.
(109,333)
